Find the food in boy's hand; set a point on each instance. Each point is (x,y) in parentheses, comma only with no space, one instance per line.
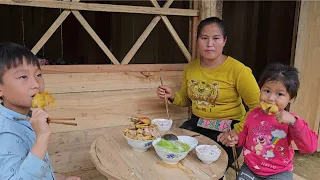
(141,129)
(173,146)
(42,100)
(269,108)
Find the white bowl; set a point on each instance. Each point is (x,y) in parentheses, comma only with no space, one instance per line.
(139,145)
(168,157)
(207,153)
(163,124)
(191,141)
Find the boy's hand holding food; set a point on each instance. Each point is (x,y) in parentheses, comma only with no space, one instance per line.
(42,130)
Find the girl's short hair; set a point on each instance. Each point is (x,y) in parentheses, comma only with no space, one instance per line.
(11,56)
(287,75)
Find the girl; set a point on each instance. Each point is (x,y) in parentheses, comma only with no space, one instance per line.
(266,137)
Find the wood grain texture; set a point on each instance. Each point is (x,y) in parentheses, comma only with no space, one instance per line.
(103,7)
(307,104)
(59,69)
(114,157)
(93,82)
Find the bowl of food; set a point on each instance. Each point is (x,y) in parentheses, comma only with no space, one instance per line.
(170,152)
(140,134)
(208,153)
(191,141)
(163,124)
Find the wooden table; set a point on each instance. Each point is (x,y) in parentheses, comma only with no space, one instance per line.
(115,159)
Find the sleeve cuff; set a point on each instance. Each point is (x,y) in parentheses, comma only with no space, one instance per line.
(175,99)
(237,127)
(298,126)
(35,166)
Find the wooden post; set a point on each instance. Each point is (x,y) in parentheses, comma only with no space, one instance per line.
(307,104)
(210,8)
(194,31)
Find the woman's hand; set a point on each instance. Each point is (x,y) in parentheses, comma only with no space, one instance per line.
(224,137)
(233,140)
(165,91)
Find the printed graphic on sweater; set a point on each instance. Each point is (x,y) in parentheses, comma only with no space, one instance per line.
(264,145)
(205,94)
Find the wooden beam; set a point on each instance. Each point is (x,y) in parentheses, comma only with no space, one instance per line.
(144,36)
(58,69)
(103,7)
(50,31)
(173,33)
(97,82)
(307,103)
(195,23)
(212,8)
(95,37)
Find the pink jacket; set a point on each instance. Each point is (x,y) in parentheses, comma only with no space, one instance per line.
(267,146)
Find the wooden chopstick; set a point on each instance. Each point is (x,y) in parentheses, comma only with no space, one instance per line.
(65,123)
(54,120)
(235,157)
(165,98)
(61,119)
(49,119)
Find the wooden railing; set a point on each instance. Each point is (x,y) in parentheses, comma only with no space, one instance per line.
(74,6)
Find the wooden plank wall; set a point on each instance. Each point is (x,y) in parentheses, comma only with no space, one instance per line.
(254,29)
(307,104)
(99,100)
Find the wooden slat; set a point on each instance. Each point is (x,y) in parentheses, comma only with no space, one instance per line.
(144,36)
(57,69)
(307,104)
(95,37)
(93,82)
(173,33)
(194,31)
(102,7)
(50,31)
(110,108)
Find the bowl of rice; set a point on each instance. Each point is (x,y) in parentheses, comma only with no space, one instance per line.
(163,124)
(208,153)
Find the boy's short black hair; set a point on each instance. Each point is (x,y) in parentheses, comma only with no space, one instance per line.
(285,74)
(11,56)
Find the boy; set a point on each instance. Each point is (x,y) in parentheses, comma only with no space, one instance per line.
(24,143)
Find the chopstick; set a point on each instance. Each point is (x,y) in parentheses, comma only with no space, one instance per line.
(65,123)
(49,119)
(165,98)
(235,157)
(54,120)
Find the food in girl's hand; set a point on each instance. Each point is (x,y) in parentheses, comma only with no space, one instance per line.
(269,108)
(173,146)
(42,100)
(141,129)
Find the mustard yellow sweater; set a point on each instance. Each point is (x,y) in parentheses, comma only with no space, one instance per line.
(218,93)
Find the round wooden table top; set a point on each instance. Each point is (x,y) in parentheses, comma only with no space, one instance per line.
(115,159)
